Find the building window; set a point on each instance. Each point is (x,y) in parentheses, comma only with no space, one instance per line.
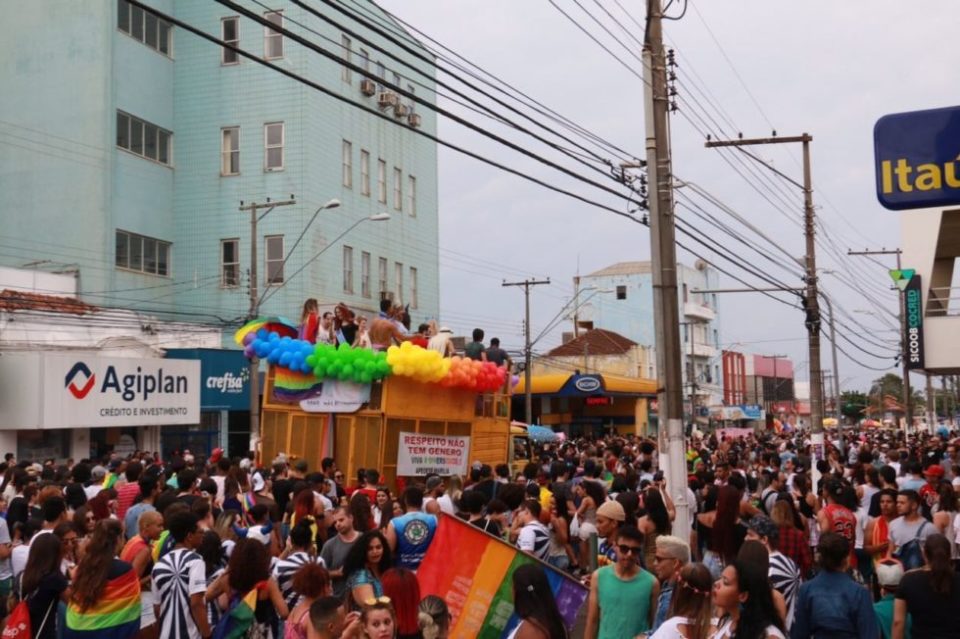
(347,55)
(365,172)
(621,292)
(382,276)
(716,338)
(412,196)
(685,296)
(381,74)
(229,263)
(365,274)
(382,181)
(273,135)
(398,277)
(142,254)
(230,150)
(365,59)
(142,138)
(396,81)
(347,164)
(348,269)
(413,287)
(273,39)
(274,260)
(413,103)
(397,188)
(230,33)
(145,27)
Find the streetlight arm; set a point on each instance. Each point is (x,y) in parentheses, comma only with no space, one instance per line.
(321,252)
(553,322)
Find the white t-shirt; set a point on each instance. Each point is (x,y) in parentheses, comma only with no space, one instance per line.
(446,504)
(6,570)
(178,575)
(670,629)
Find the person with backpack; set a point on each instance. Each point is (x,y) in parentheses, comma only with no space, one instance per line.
(41,587)
(909,530)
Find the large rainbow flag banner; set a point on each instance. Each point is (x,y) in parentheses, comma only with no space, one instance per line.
(473,572)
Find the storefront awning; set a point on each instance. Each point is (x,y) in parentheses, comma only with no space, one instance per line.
(588,386)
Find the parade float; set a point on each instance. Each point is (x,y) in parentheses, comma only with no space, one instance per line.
(406,411)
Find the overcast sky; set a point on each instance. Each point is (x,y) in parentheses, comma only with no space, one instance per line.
(826,68)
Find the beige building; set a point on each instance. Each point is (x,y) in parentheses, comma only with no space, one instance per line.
(601,352)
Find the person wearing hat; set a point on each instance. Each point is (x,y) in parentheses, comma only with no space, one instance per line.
(889,573)
(610,516)
(442,342)
(783,572)
(933,475)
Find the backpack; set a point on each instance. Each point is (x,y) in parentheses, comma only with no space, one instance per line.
(18,623)
(909,553)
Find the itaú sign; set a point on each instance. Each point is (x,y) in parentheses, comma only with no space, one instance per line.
(917,158)
(65,390)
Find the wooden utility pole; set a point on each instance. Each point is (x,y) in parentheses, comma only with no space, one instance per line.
(811,301)
(527,352)
(254,312)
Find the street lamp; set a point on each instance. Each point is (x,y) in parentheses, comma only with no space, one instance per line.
(379,217)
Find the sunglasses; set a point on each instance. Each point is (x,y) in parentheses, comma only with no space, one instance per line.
(372,601)
(630,550)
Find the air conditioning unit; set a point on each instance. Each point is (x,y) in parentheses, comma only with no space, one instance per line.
(400,110)
(387,99)
(368,87)
(414,119)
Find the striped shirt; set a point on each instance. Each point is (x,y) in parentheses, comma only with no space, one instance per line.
(285,569)
(785,578)
(177,575)
(534,538)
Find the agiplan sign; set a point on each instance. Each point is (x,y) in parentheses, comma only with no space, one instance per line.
(99,391)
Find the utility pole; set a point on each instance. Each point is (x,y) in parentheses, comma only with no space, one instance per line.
(663,254)
(690,368)
(527,353)
(254,312)
(811,301)
(907,393)
(576,308)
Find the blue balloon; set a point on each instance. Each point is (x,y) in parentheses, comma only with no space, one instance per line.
(262,333)
(274,356)
(284,360)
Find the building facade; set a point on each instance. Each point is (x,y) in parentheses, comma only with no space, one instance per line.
(623,302)
(128,145)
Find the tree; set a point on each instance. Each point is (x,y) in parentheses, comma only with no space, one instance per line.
(853,403)
(891,385)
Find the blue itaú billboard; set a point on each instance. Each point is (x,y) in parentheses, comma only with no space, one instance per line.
(917,158)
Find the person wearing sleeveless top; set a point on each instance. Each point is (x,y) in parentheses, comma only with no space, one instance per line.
(410,535)
(623,596)
(835,517)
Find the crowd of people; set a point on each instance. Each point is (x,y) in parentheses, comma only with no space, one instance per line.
(192,548)
(391,326)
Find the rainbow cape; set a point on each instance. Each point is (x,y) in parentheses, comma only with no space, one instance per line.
(116,614)
(235,623)
(109,481)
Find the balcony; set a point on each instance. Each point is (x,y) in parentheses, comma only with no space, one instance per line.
(699,350)
(698,311)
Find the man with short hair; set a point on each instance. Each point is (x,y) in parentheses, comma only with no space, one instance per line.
(532,537)
(783,572)
(909,530)
(149,489)
(671,555)
(623,596)
(497,355)
(410,535)
(138,552)
(435,490)
(335,550)
(329,620)
(475,349)
(128,491)
(180,580)
(769,495)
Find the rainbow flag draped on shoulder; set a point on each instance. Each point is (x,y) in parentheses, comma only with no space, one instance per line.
(116,615)
(473,572)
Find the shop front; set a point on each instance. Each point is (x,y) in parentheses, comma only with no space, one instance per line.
(79,404)
(224,404)
(590,404)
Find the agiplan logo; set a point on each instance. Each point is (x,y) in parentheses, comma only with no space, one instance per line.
(70,382)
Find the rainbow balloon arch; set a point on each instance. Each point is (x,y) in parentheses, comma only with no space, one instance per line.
(301,367)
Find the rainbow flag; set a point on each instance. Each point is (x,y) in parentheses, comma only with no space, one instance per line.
(109,481)
(294,386)
(279,325)
(473,572)
(116,615)
(235,623)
